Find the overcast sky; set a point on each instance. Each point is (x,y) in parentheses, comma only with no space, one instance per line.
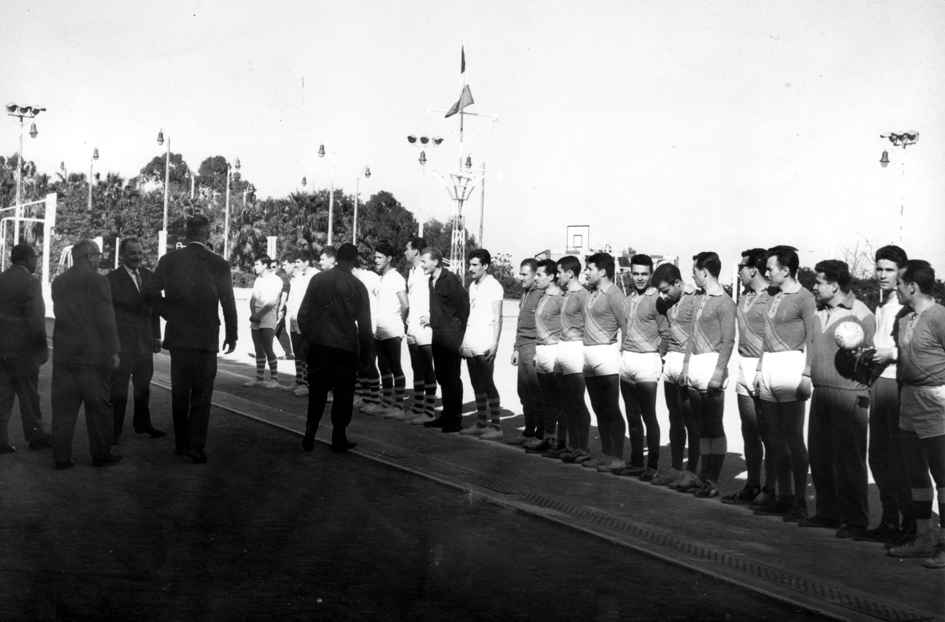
(673,127)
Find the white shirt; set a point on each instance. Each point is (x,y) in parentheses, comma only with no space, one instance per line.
(390,322)
(267,290)
(885,319)
(298,285)
(135,276)
(480,329)
(372,282)
(418,297)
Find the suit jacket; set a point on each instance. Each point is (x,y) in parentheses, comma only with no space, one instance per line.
(139,323)
(85,334)
(336,313)
(22,316)
(195,283)
(449,310)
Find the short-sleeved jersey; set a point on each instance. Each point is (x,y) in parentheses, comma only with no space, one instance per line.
(390,322)
(480,328)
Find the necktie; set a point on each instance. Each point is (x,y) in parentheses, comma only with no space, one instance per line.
(137,279)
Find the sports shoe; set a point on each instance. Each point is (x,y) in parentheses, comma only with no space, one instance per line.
(764,498)
(709,490)
(300,391)
(537,446)
(491,433)
(419,419)
(611,465)
(925,543)
(687,482)
(397,414)
(648,474)
(667,477)
(473,430)
(631,471)
(272,384)
(743,497)
(255,382)
(936,561)
(371,409)
(592,462)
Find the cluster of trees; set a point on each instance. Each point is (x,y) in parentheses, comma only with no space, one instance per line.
(134,207)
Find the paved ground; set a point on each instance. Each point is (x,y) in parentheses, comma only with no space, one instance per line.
(266,532)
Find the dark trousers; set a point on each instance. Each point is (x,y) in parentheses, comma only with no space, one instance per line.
(604,392)
(837,448)
(481,372)
(446,362)
(138,368)
(424,379)
(639,398)
(335,370)
(554,425)
(192,375)
(285,340)
(393,382)
(886,458)
(683,425)
(19,380)
(529,391)
(748,409)
(72,388)
(578,418)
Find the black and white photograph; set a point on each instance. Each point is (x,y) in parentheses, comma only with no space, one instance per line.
(434,311)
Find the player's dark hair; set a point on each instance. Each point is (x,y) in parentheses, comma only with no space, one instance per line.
(551,268)
(708,260)
(570,263)
(642,260)
(484,257)
(666,273)
(603,261)
(786,256)
(892,253)
(835,271)
(756,258)
(531,262)
(921,273)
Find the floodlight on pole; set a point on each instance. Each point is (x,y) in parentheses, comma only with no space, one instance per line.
(357,190)
(91,168)
(21,113)
(901,140)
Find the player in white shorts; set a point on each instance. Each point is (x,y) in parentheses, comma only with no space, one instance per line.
(547,337)
(571,361)
(604,315)
(751,309)
(641,367)
(707,354)
(783,381)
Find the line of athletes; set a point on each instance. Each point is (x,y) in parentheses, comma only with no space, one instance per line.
(579,333)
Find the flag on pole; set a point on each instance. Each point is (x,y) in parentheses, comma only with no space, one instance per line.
(465,99)
(462,59)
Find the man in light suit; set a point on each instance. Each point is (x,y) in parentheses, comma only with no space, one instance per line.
(85,351)
(195,283)
(22,347)
(139,333)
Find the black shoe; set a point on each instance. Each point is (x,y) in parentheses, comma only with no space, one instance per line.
(743,497)
(7,448)
(884,532)
(820,522)
(343,446)
(777,507)
(449,428)
(197,456)
(41,442)
(439,422)
(630,471)
(152,432)
(106,460)
(850,531)
(62,466)
(796,514)
(540,448)
(308,443)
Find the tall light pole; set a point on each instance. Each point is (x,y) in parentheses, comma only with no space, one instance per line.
(91,167)
(226,215)
(331,194)
(357,190)
(21,113)
(423,143)
(161,139)
(901,140)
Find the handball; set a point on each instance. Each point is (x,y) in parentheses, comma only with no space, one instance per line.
(849,335)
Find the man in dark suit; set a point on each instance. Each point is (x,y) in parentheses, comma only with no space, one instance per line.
(195,284)
(22,347)
(139,333)
(335,320)
(449,312)
(85,352)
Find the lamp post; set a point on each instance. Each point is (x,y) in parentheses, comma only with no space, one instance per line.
(423,143)
(91,167)
(21,113)
(331,194)
(226,215)
(901,140)
(357,189)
